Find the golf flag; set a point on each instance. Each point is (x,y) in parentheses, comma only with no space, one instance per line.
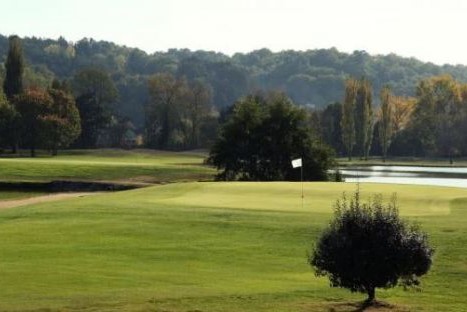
(297,163)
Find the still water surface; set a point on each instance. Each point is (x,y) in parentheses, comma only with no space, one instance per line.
(437,176)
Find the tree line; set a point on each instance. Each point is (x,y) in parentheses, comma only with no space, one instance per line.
(80,112)
(312,78)
(430,124)
(34,117)
(181,112)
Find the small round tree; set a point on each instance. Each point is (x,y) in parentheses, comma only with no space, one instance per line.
(367,246)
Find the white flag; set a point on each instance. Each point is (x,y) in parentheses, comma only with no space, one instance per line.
(296,163)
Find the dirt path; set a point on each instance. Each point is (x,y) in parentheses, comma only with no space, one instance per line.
(40,199)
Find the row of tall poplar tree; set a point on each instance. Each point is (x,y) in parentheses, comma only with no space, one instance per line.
(433,123)
(358,118)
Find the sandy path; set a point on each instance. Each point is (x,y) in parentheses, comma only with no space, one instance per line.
(40,199)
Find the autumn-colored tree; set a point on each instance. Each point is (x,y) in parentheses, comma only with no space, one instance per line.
(402,109)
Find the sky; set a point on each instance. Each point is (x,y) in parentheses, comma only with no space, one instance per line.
(432,31)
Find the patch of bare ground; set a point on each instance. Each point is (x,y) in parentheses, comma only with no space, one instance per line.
(41,199)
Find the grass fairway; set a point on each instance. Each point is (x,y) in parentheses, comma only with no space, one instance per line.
(108,165)
(210,247)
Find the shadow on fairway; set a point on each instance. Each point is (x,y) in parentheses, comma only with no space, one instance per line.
(365,306)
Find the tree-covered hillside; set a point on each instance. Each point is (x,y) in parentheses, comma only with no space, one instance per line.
(313,77)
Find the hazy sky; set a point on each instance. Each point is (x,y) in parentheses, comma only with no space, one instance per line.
(434,31)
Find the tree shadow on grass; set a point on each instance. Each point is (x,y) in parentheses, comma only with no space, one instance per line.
(376,306)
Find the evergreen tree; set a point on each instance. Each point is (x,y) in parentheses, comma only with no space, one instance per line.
(14,66)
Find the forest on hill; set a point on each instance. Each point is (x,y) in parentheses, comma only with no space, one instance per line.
(313,78)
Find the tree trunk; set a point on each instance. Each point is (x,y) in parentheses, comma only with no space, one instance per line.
(371,295)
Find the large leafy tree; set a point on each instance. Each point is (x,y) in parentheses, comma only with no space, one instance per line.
(164,122)
(61,124)
(95,92)
(14,65)
(260,138)
(8,122)
(32,105)
(368,246)
(437,115)
(176,112)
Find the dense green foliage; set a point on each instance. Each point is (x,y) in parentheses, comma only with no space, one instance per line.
(314,77)
(8,122)
(62,123)
(44,119)
(430,124)
(261,137)
(32,106)
(95,92)
(14,68)
(368,246)
(118,94)
(210,247)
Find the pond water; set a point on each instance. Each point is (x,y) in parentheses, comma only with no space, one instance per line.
(416,175)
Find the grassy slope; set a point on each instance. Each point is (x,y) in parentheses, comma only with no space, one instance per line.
(107,165)
(209,247)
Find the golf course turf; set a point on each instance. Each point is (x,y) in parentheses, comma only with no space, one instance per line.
(211,246)
(108,165)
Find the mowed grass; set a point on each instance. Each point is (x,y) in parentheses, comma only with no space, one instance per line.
(210,247)
(108,165)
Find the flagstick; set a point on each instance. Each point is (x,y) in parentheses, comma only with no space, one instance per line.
(295,164)
(301,176)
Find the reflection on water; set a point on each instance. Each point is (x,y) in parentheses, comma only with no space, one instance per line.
(437,176)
